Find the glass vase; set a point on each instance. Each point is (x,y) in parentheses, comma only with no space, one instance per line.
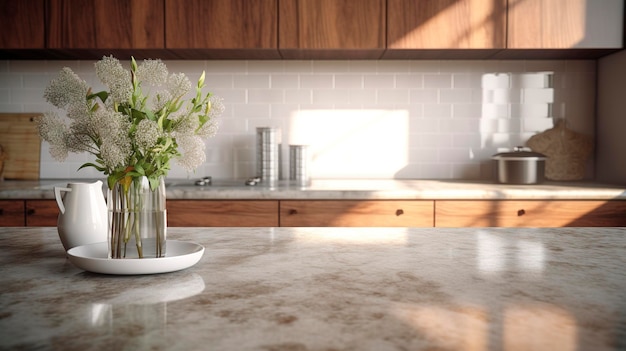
(137,219)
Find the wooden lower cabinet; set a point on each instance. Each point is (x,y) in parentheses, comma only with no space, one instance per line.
(12,213)
(41,213)
(530,213)
(220,213)
(358,213)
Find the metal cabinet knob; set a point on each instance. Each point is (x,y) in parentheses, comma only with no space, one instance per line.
(521,212)
(293,212)
(399,212)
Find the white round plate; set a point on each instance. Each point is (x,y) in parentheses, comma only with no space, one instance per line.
(94,258)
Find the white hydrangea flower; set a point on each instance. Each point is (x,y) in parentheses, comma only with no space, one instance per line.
(113,75)
(66,89)
(153,72)
(192,151)
(147,134)
(128,125)
(53,129)
(178,85)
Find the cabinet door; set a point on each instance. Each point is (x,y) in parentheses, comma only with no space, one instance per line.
(510,213)
(218,213)
(360,213)
(564,24)
(22,24)
(310,28)
(105,24)
(42,213)
(233,26)
(445,24)
(12,213)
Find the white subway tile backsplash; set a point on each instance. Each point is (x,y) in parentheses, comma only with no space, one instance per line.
(409,81)
(348,81)
(455,95)
(268,96)
(392,97)
(441,81)
(426,96)
(534,96)
(379,81)
(317,81)
(537,124)
(438,119)
(251,81)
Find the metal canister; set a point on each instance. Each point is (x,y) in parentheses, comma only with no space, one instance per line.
(299,160)
(268,154)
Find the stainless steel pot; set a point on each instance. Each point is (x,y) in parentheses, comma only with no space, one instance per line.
(521,166)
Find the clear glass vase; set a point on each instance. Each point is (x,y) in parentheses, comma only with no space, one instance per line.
(137,219)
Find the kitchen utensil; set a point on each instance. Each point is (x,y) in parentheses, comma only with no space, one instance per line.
(83,217)
(521,166)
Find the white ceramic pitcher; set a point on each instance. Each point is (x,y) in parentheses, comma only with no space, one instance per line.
(83,218)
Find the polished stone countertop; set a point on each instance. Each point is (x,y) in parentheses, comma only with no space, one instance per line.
(349,189)
(302,289)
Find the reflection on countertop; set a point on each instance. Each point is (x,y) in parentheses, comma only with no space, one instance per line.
(557,289)
(347,189)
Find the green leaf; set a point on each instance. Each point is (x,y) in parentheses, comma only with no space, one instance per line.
(103,95)
(89,164)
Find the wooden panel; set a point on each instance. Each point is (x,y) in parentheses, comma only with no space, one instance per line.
(381,213)
(21,146)
(42,213)
(12,213)
(509,213)
(331,24)
(104,24)
(22,24)
(218,213)
(221,24)
(446,24)
(564,24)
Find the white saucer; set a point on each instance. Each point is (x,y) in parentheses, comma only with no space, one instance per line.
(93,258)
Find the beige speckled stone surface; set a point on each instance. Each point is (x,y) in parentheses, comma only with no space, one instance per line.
(328,289)
(350,190)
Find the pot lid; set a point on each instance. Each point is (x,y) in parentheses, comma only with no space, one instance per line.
(519,153)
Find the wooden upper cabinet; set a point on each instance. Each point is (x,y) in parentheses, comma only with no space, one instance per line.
(232,26)
(341,28)
(105,24)
(565,24)
(414,25)
(22,24)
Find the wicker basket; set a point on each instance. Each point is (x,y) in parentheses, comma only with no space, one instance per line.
(567,152)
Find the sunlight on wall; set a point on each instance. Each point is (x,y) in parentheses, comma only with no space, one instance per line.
(352,143)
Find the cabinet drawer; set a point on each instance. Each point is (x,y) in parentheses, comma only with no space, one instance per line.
(381,213)
(12,213)
(505,213)
(42,213)
(217,213)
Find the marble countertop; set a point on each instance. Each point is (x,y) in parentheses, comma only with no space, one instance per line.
(328,289)
(350,189)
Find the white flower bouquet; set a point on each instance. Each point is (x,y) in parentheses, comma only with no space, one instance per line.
(134,130)
(130,133)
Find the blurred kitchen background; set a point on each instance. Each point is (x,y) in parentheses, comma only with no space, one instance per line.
(440,119)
